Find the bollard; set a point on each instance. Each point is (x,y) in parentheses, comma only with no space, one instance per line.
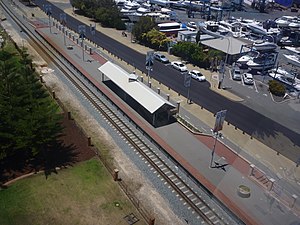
(89,141)
(178,106)
(116,174)
(150,84)
(69,116)
(294,200)
(252,166)
(41,79)
(53,94)
(168,97)
(158,90)
(142,79)
(272,183)
(151,221)
(90,51)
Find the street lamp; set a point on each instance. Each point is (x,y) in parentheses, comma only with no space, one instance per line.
(226,59)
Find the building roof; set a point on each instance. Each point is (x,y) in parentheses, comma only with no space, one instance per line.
(230,44)
(130,84)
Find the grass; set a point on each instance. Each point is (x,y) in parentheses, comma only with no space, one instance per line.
(83,194)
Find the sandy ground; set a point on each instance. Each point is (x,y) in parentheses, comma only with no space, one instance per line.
(148,197)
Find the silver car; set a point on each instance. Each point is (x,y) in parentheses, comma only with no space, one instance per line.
(160,57)
(236,73)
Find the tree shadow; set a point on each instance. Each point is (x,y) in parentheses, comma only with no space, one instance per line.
(58,155)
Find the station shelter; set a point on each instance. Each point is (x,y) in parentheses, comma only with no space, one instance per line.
(157,110)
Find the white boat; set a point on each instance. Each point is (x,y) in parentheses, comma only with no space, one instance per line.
(233,27)
(264,62)
(285,77)
(294,25)
(264,46)
(249,56)
(293,49)
(293,59)
(258,29)
(284,21)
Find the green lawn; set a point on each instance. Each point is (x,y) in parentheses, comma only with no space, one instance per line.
(83,194)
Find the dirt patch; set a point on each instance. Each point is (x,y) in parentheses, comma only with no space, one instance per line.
(70,148)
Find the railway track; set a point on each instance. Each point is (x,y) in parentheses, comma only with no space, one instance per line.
(205,213)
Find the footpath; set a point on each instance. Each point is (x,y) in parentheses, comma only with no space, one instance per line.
(240,151)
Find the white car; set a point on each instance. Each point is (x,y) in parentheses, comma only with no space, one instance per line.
(197,75)
(248,78)
(179,66)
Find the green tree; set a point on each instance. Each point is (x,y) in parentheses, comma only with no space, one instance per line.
(28,117)
(156,39)
(143,26)
(103,11)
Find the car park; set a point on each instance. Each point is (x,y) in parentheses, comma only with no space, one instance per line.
(197,75)
(160,57)
(248,78)
(179,66)
(236,73)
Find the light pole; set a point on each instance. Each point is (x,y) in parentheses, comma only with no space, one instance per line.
(225,63)
(81,31)
(63,21)
(48,10)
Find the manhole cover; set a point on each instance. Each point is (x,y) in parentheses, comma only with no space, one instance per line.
(131,219)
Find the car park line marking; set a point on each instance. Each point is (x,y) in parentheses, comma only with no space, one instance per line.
(255,86)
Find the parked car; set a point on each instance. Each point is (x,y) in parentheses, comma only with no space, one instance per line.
(248,78)
(160,57)
(197,75)
(179,66)
(236,73)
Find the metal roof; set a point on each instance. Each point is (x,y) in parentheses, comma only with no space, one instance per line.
(130,84)
(230,44)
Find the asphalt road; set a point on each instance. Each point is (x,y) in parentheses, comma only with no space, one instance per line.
(241,116)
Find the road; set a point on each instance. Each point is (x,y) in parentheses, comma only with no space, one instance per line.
(239,115)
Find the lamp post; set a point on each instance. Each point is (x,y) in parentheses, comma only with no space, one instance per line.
(225,63)
(48,10)
(63,21)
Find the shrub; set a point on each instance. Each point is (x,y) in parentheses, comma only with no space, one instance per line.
(276,88)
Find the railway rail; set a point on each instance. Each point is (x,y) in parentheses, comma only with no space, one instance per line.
(204,212)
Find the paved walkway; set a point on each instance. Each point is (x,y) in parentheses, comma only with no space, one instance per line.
(262,207)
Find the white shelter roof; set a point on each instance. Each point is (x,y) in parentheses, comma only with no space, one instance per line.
(130,84)
(230,44)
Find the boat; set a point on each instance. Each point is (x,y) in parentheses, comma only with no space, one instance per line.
(249,56)
(293,59)
(263,62)
(259,29)
(285,77)
(264,46)
(233,27)
(284,21)
(293,49)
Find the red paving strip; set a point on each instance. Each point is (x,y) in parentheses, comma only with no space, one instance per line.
(98,58)
(38,24)
(220,195)
(232,158)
